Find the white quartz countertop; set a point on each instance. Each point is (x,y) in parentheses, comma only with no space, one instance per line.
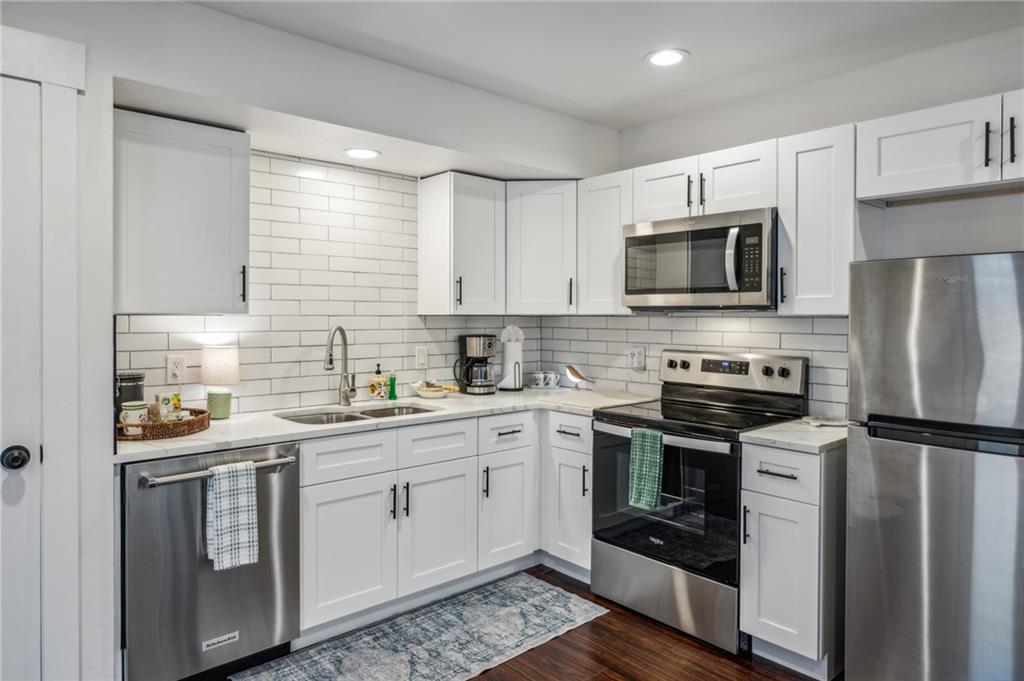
(798,436)
(254,429)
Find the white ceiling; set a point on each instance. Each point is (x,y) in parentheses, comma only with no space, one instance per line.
(585,59)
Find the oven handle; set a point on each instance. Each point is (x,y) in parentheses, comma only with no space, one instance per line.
(670,440)
(730,258)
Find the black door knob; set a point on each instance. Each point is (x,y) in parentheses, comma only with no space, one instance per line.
(783,372)
(15,457)
(767,371)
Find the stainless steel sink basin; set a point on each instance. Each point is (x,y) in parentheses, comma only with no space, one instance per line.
(385,412)
(323,418)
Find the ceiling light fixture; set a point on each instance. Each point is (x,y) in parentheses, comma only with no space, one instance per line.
(363,154)
(669,57)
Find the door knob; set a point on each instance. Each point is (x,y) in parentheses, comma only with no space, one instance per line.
(15,457)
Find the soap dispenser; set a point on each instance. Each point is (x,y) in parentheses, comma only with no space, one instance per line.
(378,385)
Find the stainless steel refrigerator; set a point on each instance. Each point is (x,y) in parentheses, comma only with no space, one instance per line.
(935,514)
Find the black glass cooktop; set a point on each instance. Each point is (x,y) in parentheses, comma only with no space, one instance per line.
(684,419)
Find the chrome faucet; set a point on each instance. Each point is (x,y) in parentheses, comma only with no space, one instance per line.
(347,384)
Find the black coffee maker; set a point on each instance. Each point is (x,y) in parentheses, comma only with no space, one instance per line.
(473,370)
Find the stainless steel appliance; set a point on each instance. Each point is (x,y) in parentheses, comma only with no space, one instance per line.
(711,261)
(679,563)
(180,617)
(473,370)
(935,479)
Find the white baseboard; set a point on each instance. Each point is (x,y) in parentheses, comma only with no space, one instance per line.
(565,567)
(816,669)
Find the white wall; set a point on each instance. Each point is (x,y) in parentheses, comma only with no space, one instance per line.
(193,49)
(979,66)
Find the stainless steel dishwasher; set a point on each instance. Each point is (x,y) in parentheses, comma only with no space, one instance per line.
(180,616)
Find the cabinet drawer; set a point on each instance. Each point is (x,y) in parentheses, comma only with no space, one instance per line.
(506,431)
(570,432)
(434,442)
(782,473)
(347,456)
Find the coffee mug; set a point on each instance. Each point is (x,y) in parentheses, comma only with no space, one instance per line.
(134,412)
(537,379)
(551,379)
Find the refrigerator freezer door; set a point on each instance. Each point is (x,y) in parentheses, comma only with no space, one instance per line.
(935,562)
(939,339)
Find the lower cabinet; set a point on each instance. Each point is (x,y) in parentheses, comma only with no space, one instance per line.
(508,506)
(565,506)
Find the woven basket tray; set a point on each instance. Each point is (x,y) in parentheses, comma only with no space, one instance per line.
(160,431)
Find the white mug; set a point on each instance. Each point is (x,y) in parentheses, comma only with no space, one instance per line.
(551,379)
(134,412)
(537,379)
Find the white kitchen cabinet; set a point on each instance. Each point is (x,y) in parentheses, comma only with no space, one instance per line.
(461,245)
(1012,146)
(605,205)
(349,547)
(508,506)
(327,459)
(181,216)
(437,524)
(779,572)
(541,264)
(667,190)
(565,506)
(817,210)
(944,147)
(739,178)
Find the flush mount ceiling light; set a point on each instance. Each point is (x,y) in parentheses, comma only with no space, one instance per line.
(669,57)
(362,154)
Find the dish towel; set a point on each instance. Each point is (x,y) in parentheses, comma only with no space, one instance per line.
(232,533)
(645,457)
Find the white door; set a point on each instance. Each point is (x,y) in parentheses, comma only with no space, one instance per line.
(1013,120)
(566,520)
(816,216)
(740,178)
(349,546)
(508,505)
(605,205)
(20,379)
(437,524)
(943,147)
(478,244)
(779,573)
(541,247)
(662,191)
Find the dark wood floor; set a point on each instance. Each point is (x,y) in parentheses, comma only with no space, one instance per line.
(623,645)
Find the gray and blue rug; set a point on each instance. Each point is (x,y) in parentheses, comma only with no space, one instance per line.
(451,640)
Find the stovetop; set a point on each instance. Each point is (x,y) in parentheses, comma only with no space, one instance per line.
(688,419)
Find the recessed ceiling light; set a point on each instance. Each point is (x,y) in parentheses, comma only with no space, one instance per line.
(667,57)
(362,154)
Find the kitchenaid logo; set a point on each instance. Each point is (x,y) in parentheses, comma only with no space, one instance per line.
(220,641)
(656,541)
(954,279)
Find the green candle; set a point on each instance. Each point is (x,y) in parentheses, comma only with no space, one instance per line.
(218,402)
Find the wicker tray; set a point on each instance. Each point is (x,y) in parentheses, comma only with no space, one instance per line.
(160,431)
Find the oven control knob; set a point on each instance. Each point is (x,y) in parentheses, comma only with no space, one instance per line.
(767,371)
(672,364)
(685,364)
(783,372)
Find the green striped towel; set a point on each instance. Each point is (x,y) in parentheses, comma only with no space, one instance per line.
(645,455)
(232,534)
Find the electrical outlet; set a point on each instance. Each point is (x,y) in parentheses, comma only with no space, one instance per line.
(637,357)
(176,365)
(421,356)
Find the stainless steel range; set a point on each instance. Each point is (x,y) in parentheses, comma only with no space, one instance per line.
(679,563)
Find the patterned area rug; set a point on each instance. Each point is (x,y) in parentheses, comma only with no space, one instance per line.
(451,640)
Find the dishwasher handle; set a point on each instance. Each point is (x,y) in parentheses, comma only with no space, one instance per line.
(148,481)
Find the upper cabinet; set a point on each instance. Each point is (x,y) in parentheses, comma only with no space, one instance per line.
(662,191)
(740,178)
(541,247)
(461,245)
(605,205)
(817,210)
(1013,117)
(181,216)
(939,148)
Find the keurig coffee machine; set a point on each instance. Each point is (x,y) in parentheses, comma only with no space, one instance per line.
(473,367)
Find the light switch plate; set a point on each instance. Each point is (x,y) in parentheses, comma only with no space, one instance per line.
(637,357)
(176,365)
(421,356)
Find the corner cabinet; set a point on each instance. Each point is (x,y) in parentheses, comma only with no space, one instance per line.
(541,247)
(461,245)
(605,205)
(181,216)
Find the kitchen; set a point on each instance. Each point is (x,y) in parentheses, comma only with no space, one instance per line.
(554,243)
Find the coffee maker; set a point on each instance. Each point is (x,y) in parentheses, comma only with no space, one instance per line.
(473,367)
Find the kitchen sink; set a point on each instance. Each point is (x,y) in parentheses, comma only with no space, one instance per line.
(323,418)
(385,412)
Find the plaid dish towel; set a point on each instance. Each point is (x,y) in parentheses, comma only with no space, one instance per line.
(232,535)
(645,458)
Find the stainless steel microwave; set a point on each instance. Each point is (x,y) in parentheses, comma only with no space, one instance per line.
(712,261)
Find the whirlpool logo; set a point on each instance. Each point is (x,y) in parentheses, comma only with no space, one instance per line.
(656,541)
(954,279)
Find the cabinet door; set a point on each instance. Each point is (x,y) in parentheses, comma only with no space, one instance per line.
(605,205)
(437,524)
(349,546)
(1013,119)
(740,178)
(181,216)
(816,217)
(541,247)
(478,245)
(662,191)
(566,520)
(508,505)
(779,573)
(937,148)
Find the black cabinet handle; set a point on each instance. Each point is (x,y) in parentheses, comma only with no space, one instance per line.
(505,433)
(585,490)
(746,512)
(566,432)
(487,482)
(394,501)
(782,284)
(702,189)
(988,133)
(570,291)
(1013,141)
(243,283)
(406,509)
(689,190)
(458,295)
(787,476)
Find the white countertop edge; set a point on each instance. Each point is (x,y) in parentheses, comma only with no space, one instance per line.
(798,436)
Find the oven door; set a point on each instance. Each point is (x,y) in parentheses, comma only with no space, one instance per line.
(708,262)
(695,526)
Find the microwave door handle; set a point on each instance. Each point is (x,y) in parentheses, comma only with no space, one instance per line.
(730,258)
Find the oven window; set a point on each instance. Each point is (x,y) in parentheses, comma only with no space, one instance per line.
(694,526)
(677,262)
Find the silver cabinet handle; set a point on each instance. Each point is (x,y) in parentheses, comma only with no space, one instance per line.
(787,476)
(149,481)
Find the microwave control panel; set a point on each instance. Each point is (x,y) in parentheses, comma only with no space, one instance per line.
(751,258)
